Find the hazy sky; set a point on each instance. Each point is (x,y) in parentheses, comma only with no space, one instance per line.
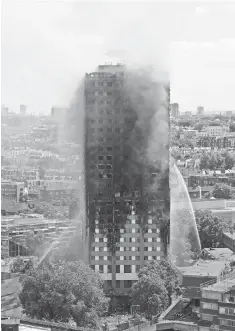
(48,45)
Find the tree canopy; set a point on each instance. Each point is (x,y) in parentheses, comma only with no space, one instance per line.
(221,191)
(210,229)
(63,292)
(215,160)
(48,210)
(156,283)
(36,244)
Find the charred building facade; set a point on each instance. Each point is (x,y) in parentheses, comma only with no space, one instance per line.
(126,172)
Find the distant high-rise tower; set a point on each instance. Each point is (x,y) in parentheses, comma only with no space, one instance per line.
(23,109)
(174,108)
(4,111)
(126,172)
(200,110)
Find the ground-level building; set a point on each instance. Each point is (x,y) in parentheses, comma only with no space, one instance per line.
(217,306)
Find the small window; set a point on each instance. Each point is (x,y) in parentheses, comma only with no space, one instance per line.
(100,129)
(101,268)
(127,269)
(118,130)
(109,269)
(109,157)
(101,122)
(127,283)
(109,176)
(118,283)
(118,268)
(100,157)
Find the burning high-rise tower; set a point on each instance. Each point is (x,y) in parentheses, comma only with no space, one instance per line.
(126,171)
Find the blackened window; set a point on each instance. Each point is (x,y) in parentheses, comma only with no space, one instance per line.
(109,269)
(101,268)
(127,269)
(100,175)
(117,269)
(92,267)
(118,283)
(100,157)
(109,176)
(137,268)
(109,157)
(127,283)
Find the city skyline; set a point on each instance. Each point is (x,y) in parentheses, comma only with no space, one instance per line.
(74,38)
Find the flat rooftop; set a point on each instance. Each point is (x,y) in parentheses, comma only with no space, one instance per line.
(230,235)
(203,268)
(222,286)
(17,221)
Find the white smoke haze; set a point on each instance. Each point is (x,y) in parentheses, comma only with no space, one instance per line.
(84,35)
(66,39)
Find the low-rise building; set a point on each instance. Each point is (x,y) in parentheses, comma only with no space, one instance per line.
(15,228)
(216,130)
(217,306)
(12,190)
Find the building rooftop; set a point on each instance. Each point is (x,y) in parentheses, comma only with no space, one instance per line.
(230,235)
(18,221)
(203,268)
(220,253)
(222,286)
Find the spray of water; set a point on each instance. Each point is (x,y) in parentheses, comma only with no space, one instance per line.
(184,238)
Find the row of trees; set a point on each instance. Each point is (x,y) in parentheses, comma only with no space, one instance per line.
(221,191)
(215,160)
(50,211)
(73,292)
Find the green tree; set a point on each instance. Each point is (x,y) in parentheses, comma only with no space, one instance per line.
(36,244)
(204,161)
(154,287)
(221,191)
(232,127)
(210,229)
(198,126)
(228,160)
(18,265)
(48,211)
(62,292)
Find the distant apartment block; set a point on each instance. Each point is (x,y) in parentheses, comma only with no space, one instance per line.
(12,190)
(215,131)
(174,110)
